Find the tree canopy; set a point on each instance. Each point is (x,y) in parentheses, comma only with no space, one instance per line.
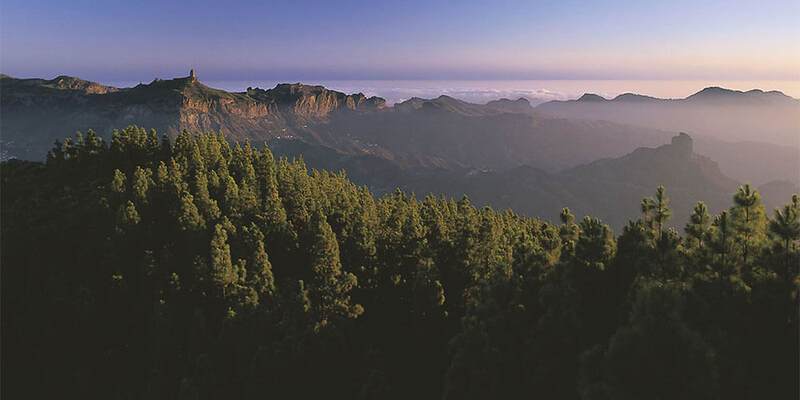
(196,268)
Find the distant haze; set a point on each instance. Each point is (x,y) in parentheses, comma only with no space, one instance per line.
(482,91)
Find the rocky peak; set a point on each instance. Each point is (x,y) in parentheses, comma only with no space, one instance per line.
(314,101)
(682,145)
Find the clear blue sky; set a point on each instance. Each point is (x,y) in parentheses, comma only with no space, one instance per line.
(300,40)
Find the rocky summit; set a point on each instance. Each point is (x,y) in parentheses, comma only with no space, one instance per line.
(65,104)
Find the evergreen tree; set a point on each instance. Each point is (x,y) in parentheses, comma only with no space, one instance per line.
(329,292)
(698,230)
(223,274)
(657,355)
(748,219)
(569,230)
(785,225)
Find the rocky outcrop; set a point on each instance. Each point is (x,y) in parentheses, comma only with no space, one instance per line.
(311,102)
(58,107)
(682,146)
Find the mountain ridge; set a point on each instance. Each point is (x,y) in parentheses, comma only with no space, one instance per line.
(707,92)
(725,114)
(437,144)
(600,187)
(441,132)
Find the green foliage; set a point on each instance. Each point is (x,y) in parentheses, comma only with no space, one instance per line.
(144,268)
(330,285)
(656,355)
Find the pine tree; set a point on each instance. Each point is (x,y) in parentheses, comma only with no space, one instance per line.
(785,225)
(231,205)
(189,218)
(722,243)
(259,276)
(330,287)
(569,230)
(657,355)
(142,181)
(202,197)
(698,229)
(596,245)
(223,274)
(748,219)
(118,183)
(268,187)
(127,214)
(656,212)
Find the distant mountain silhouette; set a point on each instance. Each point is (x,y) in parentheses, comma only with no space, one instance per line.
(725,114)
(754,97)
(419,133)
(632,97)
(520,105)
(591,97)
(610,188)
(62,85)
(712,94)
(444,103)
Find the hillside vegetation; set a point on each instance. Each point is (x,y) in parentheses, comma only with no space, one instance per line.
(192,268)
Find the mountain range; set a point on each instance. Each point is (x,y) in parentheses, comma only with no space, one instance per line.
(732,115)
(588,154)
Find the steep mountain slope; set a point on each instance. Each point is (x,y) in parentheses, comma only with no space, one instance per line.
(449,133)
(725,114)
(37,112)
(689,177)
(610,188)
(438,133)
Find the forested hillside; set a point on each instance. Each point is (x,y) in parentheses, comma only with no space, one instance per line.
(196,269)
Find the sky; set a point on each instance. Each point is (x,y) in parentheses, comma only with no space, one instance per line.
(403,40)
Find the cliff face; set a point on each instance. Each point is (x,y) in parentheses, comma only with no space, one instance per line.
(310,102)
(682,145)
(55,108)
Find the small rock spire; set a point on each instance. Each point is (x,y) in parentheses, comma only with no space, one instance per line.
(682,143)
(192,76)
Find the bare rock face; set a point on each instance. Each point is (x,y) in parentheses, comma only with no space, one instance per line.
(682,145)
(314,102)
(55,108)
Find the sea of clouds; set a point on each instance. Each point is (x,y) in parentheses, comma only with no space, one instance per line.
(394,92)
